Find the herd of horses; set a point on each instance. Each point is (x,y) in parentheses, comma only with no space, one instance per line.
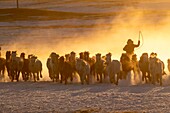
(30,68)
(62,68)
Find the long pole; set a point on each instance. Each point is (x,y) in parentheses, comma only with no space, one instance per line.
(17,4)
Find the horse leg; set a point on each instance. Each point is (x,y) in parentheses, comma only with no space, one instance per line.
(114,78)
(110,77)
(17,75)
(149,76)
(88,78)
(57,77)
(66,77)
(34,77)
(144,76)
(38,78)
(117,78)
(23,75)
(101,78)
(61,78)
(71,77)
(41,74)
(82,79)
(97,77)
(153,78)
(160,76)
(3,72)
(27,75)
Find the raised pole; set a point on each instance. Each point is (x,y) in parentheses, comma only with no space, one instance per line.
(17,4)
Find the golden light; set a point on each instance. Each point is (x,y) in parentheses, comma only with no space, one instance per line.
(100,39)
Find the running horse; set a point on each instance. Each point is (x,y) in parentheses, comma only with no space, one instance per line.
(129,64)
(2,67)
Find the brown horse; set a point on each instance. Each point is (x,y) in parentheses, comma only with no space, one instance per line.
(53,66)
(99,67)
(2,67)
(14,65)
(66,70)
(144,67)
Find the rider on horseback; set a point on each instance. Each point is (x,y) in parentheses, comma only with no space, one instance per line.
(129,48)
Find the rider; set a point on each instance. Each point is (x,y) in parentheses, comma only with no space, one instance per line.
(129,48)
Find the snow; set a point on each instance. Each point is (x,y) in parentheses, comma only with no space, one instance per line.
(48,96)
(55,97)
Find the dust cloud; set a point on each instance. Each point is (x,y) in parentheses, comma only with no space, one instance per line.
(154,26)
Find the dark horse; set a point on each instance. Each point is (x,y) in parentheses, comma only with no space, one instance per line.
(14,65)
(8,63)
(2,66)
(25,68)
(66,70)
(127,65)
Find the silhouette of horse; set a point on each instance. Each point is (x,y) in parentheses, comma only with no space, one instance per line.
(53,66)
(8,63)
(129,64)
(14,65)
(66,70)
(99,67)
(25,67)
(2,67)
(113,68)
(144,67)
(35,67)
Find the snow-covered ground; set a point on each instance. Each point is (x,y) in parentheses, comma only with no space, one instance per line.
(130,95)
(104,98)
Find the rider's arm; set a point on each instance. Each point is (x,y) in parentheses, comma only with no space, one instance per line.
(137,44)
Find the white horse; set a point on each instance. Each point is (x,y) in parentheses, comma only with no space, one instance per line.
(156,68)
(83,69)
(113,68)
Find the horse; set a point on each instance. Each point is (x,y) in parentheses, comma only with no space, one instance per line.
(91,61)
(8,63)
(156,68)
(35,67)
(129,64)
(99,67)
(14,65)
(65,69)
(25,67)
(113,68)
(83,69)
(53,66)
(144,67)
(2,67)
(126,64)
